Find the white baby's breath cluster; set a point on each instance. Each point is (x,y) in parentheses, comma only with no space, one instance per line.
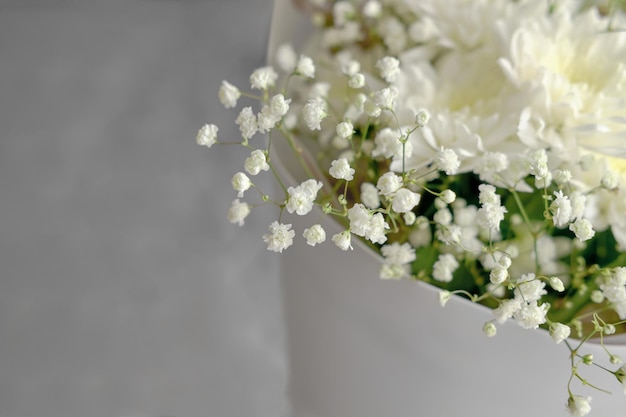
(479,146)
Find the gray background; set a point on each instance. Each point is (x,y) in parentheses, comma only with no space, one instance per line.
(123,289)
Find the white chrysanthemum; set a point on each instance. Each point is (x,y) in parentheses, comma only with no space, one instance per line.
(302,197)
(240,183)
(389,68)
(207,135)
(263,78)
(314,112)
(280,237)
(444,267)
(247,122)
(238,211)
(228,95)
(256,162)
(314,235)
(341,170)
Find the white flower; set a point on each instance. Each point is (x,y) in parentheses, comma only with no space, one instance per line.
(404,200)
(444,297)
(409,218)
(314,112)
(350,67)
(422,117)
(280,237)
(506,309)
(609,180)
(443,216)
(490,329)
(302,197)
(286,57)
(207,135)
(263,78)
(561,209)
(498,275)
(240,183)
(389,67)
(559,332)
(372,9)
(583,229)
(228,94)
(444,267)
(344,130)
(388,144)
(247,123)
(398,253)
(356,81)
(389,183)
(266,120)
(447,161)
(529,288)
(369,195)
(530,315)
(613,287)
(385,98)
(364,223)
(256,162)
(279,106)
(305,67)
(578,405)
(314,235)
(238,211)
(340,169)
(489,216)
(447,196)
(342,240)
(491,164)
(557,284)
(395,272)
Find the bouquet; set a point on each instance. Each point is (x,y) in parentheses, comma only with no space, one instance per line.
(478,146)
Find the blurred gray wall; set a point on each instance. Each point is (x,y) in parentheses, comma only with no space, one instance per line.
(123,289)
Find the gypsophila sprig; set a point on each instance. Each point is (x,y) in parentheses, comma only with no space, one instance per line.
(490,167)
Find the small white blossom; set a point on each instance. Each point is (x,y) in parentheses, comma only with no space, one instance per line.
(256,162)
(389,183)
(559,332)
(369,195)
(556,284)
(280,237)
(444,297)
(340,169)
(409,218)
(372,9)
(344,130)
(385,98)
(238,211)
(443,216)
(422,117)
(506,309)
(305,67)
(530,315)
(263,78)
(561,209)
(342,240)
(314,112)
(490,164)
(393,272)
(398,253)
(388,144)
(371,109)
(279,106)
(498,275)
(356,81)
(350,67)
(314,235)
(286,57)
(389,68)
(240,183)
(450,235)
(447,161)
(489,216)
(583,229)
(489,329)
(302,197)
(562,176)
(229,94)
(578,405)
(444,267)
(247,122)
(364,223)
(487,194)
(404,200)
(207,135)
(529,288)
(447,196)
(609,180)
(266,120)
